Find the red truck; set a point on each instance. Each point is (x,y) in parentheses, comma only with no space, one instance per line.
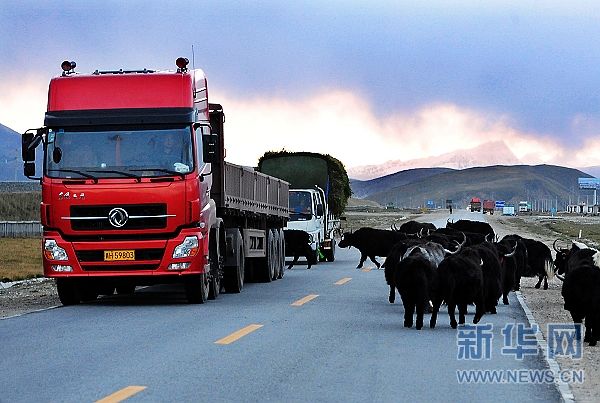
(136,191)
(489,206)
(475,204)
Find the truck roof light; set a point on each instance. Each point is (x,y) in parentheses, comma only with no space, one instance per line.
(67,66)
(182,63)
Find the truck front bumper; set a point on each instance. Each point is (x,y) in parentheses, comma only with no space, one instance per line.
(62,258)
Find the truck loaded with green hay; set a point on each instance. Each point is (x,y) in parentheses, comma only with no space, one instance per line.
(319,192)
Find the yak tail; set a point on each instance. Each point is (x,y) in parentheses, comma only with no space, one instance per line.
(549,268)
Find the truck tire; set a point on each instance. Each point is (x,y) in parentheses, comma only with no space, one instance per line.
(275,257)
(87,292)
(67,291)
(330,253)
(281,253)
(234,275)
(196,288)
(215,264)
(266,268)
(125,289)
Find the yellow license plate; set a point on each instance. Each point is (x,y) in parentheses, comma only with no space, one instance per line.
(112,255)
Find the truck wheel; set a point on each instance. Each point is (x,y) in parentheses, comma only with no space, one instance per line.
(265,264)
(67,291)
(87,292)
(281,253)
(125,289)
(215,265)
(275,256)
(234,275)
(196,288)
(330,253)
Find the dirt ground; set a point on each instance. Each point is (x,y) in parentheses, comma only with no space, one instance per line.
(546,305)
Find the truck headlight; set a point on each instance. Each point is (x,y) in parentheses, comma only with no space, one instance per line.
(54,252)
(189,247)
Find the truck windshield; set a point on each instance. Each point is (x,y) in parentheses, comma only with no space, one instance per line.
(118,151)
(300,206)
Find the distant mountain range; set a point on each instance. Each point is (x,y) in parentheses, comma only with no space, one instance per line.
(492,153)
(11,165)
(546,184)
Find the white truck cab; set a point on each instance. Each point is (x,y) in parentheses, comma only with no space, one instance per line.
(308,213)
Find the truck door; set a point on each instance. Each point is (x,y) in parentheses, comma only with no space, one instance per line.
(319,218)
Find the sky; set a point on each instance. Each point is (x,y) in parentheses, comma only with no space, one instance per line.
(364,81)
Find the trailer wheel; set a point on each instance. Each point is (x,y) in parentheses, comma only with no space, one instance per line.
(234,275)
(275,256)
(281,252)
(196,288)
(269,267)
(67,291)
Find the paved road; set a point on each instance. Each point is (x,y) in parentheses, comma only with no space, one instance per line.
(346,344)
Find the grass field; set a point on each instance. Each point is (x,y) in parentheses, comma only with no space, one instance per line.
(20,206)
(20,258)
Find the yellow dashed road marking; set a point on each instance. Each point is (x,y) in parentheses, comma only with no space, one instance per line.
(366,270)
(238,335)
(343,281)
(122,394)
(304,300)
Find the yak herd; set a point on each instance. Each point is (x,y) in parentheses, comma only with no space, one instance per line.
(465,263)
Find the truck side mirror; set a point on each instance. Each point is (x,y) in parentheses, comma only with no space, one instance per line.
(29,169)
(29,142)
(209,147)
(319,210)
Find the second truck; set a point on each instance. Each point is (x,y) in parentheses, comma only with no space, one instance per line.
(319,192)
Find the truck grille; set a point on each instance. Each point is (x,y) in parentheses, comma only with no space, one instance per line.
(140,216)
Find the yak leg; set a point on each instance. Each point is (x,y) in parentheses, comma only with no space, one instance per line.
(462,311)
(363,257)
(420,312)
(545,282)
(517,282)
(537,285)
(372,257)
(392,297)
(479,308)
(409,309)
(296,257)
(434,312)
(451,314)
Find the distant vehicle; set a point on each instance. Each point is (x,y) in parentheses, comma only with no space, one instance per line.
(489,206)
(524,207)
(319,191)
(475,204)
(508,209)
(448,203)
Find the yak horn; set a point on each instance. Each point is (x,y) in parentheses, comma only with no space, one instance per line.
(558,276)
(554,246)
(449,252)
(513,251)
(420,233)
(486,238)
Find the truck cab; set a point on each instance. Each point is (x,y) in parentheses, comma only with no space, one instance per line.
(308,213)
